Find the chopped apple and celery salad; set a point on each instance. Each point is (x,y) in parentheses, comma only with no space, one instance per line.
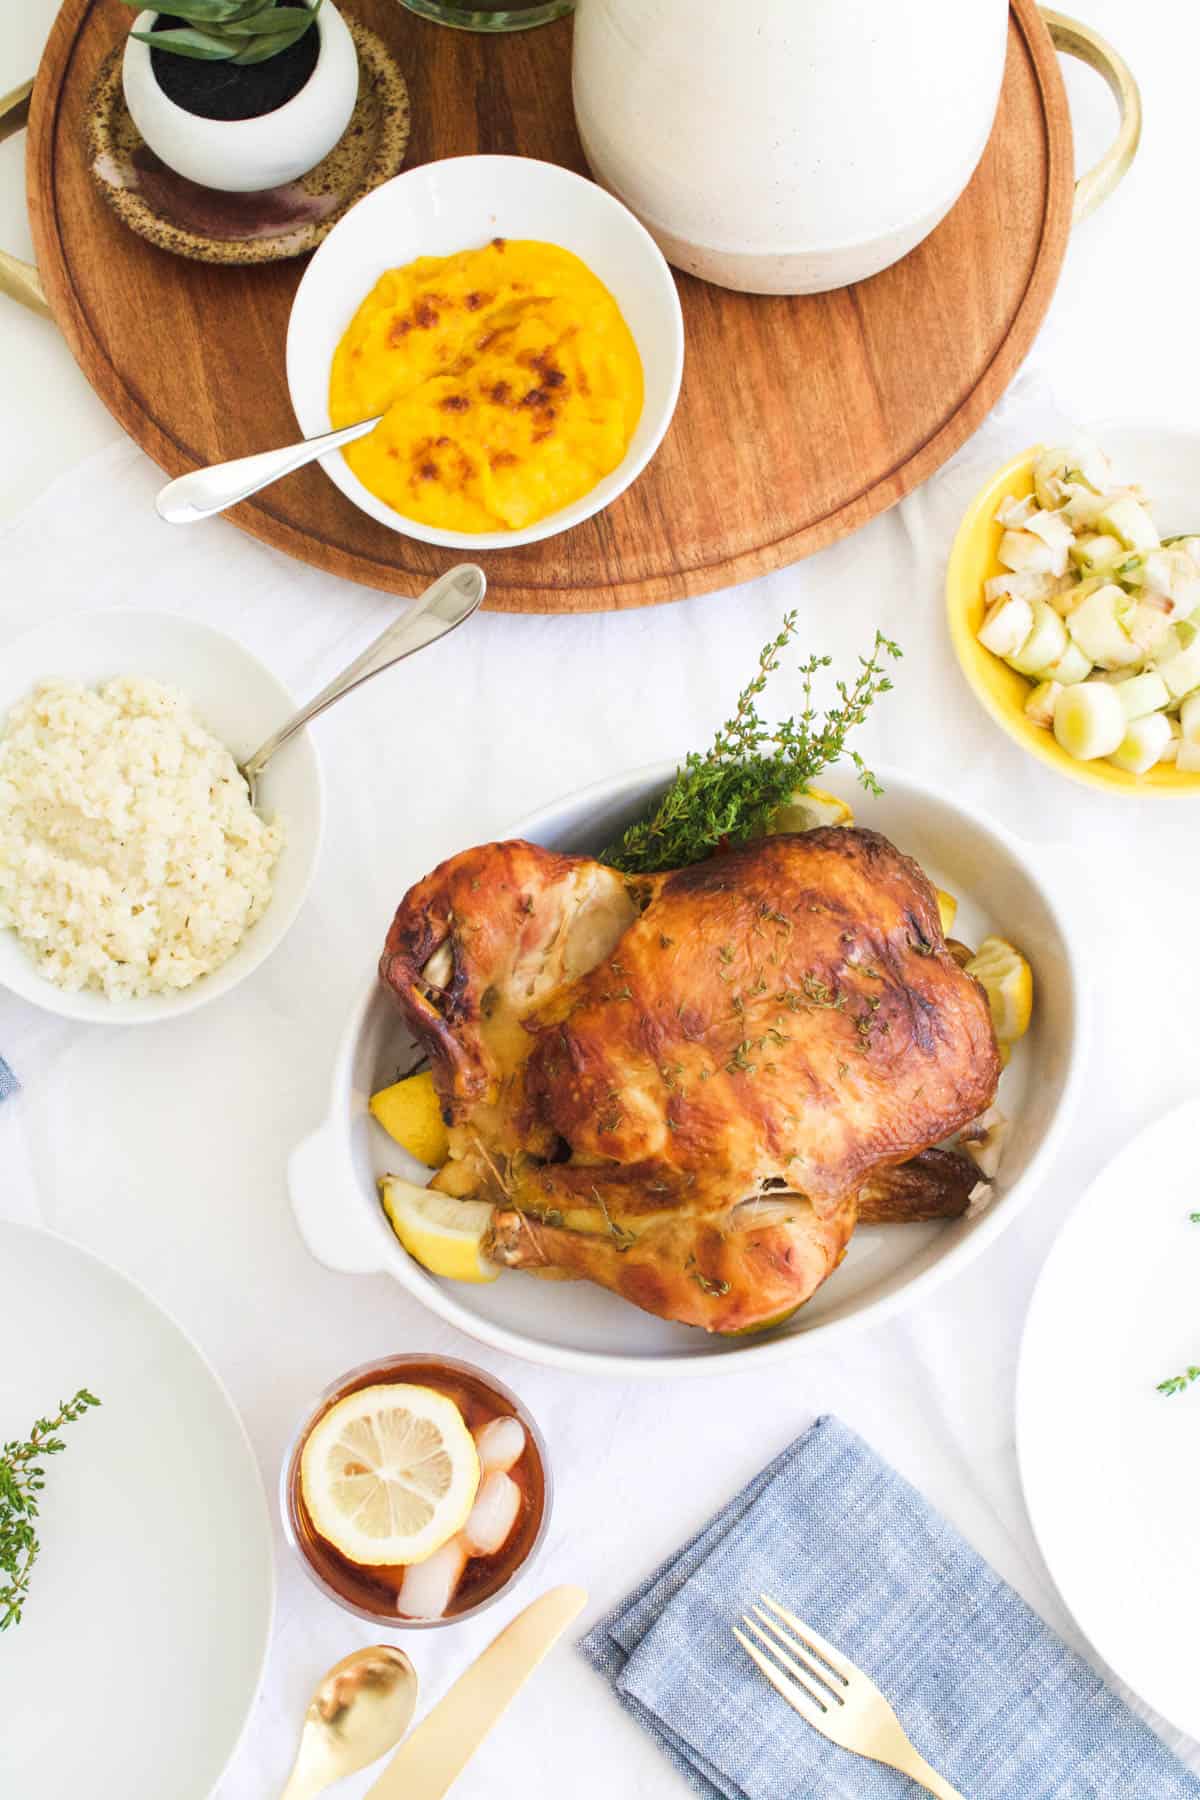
(1100,614)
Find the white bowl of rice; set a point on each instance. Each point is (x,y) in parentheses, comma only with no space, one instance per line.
(136,881)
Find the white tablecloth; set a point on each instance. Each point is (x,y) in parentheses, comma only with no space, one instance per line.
(164,1148)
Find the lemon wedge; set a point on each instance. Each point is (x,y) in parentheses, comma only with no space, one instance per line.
(806,809)
(1007,980)
(411,1112)
(389,1474)
(778,1318)
(947,907)
(443,1234)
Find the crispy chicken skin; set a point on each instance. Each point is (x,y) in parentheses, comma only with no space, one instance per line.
(479,945)
(734,1268)
(678,1086)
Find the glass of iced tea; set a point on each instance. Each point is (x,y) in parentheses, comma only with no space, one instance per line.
(416,1490)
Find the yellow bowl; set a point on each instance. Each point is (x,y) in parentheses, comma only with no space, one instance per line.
(973,560)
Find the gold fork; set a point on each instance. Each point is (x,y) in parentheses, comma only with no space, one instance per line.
(835,1697)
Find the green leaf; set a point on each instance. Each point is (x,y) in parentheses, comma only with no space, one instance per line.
(731,792)
(1176,1384)
(272,21)
(186,42)
(21,1478)
(261,48)
(218,30)
(211,12)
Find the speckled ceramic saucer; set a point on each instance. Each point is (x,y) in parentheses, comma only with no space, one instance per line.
(214,227)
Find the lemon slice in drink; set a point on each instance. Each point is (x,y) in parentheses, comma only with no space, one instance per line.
(1007,980)
(389,1474)
(443,1234)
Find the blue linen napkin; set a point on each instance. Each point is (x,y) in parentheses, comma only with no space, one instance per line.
(985,1690)
(8,1081)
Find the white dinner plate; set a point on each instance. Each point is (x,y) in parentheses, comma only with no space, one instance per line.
(134,1669)
(1110,1466)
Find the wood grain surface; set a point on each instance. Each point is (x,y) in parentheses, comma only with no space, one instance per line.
(799,419)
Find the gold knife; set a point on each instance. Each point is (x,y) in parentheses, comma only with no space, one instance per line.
(435,1754)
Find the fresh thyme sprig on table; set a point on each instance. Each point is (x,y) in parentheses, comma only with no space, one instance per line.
(1178,1384)
(1175,1384)
(22,1479)
(729,793)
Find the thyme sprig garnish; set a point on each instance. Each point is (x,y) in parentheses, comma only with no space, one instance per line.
(22,1479)
(728,794)
(623,1239)
(716,1289)
(1178,1384)
(1175,1384)
(708,1284)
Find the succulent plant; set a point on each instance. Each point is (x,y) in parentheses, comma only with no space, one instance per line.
(238,31)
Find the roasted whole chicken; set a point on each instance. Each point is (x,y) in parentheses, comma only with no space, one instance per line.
(689,1087)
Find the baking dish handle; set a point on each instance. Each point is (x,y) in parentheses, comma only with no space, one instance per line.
(19,279)
(321,1185)
(1072,38)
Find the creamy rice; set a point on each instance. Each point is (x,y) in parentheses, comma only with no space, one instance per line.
(131,860)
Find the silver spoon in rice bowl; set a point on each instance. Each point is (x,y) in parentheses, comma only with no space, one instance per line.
(450,600)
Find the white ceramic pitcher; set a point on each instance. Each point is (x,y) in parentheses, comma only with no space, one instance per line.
(787,146)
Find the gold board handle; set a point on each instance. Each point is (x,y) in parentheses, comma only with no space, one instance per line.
(1072,38)
(20,280)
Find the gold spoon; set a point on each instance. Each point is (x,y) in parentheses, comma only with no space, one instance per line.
(359,1710)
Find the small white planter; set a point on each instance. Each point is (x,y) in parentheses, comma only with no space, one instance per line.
(246,155)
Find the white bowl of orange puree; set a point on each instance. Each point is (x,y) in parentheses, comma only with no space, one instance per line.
(517,329)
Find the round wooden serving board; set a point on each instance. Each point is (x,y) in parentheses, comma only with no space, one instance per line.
(799,419)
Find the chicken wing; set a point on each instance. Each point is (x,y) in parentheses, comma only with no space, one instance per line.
(937,1184)
(472,951)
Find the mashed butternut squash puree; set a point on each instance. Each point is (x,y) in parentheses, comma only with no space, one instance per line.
(508,379)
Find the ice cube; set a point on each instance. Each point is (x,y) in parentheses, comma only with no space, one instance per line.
(493,1515)
(428,1587)
(500,1443)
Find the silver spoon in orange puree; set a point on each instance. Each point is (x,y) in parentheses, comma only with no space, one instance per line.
(210,490)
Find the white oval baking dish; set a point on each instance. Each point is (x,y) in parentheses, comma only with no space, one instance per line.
(573,1325)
